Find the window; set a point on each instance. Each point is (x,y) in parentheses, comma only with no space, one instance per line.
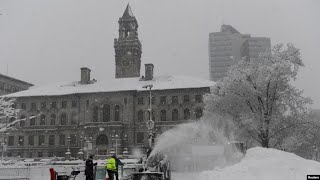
(117,113)
(32,120)
(174,100)
(30,155)
(43,105)
(63,119)
(74,104)
(50,154)
(87,104)
(64,104)
(95,114)
(43,119)
(54,104)
(102,140)
(140,137)
(62,140)
(163,100)
(198,98)
(41,140)
(140,100)
(23,106)
(140,116)
(33,106)
(1,86)
(51,140)
(106,113)
(198,113)
(153,100)
(186,99)
(163,115)
(125,100)
(53,119)
(73,139)
(22,121)
(40,154)
(11,141)
(186,114)
(12,119)
(31,140)
(21,141)
(175,116)
(74,118)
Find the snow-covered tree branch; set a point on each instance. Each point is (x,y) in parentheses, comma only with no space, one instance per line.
(8,113)
(259,95)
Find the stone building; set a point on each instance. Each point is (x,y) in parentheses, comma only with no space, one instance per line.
(111,114)
(11,85)
(229,45)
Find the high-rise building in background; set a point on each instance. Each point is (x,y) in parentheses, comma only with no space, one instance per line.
(228,46)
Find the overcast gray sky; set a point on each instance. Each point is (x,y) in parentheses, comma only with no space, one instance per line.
(46,41)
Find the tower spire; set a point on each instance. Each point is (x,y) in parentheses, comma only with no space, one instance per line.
(128,12)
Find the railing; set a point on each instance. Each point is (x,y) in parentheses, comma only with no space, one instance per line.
(15,173)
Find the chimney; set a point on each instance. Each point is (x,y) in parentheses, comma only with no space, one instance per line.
(85,75)
(148,72)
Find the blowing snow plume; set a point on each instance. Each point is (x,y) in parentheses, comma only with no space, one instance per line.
(195,146)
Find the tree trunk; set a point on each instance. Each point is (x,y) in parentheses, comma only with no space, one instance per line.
(265,143)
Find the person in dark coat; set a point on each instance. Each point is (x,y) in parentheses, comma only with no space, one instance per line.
(89,168)
(118,163)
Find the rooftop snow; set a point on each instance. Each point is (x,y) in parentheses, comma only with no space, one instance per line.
(114,85)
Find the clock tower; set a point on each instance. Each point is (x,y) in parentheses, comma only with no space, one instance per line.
(127,47)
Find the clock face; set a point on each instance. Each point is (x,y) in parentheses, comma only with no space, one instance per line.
(126,59)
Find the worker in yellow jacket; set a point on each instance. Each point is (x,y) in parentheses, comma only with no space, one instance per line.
(111,167)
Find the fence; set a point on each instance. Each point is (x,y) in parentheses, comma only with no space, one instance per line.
(14,173)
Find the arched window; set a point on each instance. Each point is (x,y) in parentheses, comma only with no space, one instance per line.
(117,113)
(63,119)
(102,140)
(22,121)
(42,120)
(53,119)
(198,113)
(95,113)
(106,113)
(175,116)
(163,115)
(140,116)
(74,118)
(186,114)
(32,120)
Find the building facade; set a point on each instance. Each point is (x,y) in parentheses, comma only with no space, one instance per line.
(228,46)
(111,115)
(11,85)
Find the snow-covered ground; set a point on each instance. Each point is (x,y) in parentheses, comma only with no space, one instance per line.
(258,164)
(266,164)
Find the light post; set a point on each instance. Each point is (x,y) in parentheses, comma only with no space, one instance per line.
(80,153)
(3,144)
(89,145)
(68,153)
(125,150)
(150,122)
(116,139)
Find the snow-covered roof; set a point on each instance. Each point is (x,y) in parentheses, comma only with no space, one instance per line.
(114,85)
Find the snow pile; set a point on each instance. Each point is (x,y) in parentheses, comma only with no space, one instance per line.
(265,164)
